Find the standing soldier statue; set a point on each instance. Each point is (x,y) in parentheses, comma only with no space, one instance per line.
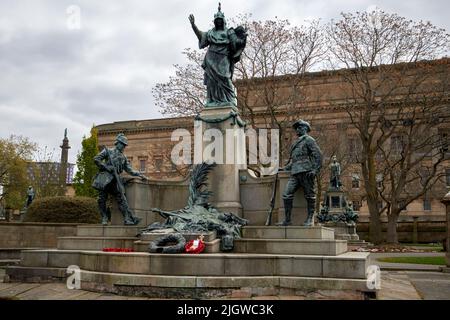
(30,196)
(111,163)
(305,161)
(335,176)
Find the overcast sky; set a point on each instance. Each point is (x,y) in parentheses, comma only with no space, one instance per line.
(55,76)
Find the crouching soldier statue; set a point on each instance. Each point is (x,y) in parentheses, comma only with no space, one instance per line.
(111,163)
(305,161)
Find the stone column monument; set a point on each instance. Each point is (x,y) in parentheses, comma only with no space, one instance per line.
(223,141)
(219,122)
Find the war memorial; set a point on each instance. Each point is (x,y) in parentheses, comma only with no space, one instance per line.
(188,238)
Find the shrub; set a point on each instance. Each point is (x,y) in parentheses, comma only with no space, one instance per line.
(63,210)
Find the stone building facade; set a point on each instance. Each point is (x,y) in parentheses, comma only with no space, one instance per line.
(321,103)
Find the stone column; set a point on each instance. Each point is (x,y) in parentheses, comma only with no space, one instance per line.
(446,202)
(229,154)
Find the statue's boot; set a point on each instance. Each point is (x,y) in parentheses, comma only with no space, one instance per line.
(310,209)
(130,219)
(287,213)
(104,213)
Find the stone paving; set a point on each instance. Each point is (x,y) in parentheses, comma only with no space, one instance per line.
(395,285)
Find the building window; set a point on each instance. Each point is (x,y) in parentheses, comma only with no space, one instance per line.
(380,205)
(397,144)
(402,205)
(142,163)
(158,164)
(353,149)
(355,181)
(426,204)
(445,141)
(379,180)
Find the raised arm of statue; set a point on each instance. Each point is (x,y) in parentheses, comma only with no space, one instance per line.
(197,32)
(129,169)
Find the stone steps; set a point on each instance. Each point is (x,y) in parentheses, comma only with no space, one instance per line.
(290,246)
(291,232)
(9,262)
(263,240)
(210,246)
(13,253)
(95,243)
(95,280)
(350,265)
(107,231)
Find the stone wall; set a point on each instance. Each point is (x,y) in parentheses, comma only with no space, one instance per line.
(33,234)
(415,231)
(255,195)
(142,196)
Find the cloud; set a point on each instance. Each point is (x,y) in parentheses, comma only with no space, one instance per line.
(53,77)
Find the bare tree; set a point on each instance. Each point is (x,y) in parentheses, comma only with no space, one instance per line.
(274,48)
(184,94)
(384,84)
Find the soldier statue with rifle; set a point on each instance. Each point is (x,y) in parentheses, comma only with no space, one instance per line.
(304,163)
(111,163)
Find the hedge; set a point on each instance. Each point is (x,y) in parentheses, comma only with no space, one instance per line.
(63,210)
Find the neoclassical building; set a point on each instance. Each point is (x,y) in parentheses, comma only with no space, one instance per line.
(319,97)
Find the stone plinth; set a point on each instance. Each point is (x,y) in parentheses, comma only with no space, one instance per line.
(229,154)
(446,202)
(343,230)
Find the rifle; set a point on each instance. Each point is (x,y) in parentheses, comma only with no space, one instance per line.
(272,201)
(168,214)
(115,174)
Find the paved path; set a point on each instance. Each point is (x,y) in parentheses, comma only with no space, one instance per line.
(395,285)
(410,285)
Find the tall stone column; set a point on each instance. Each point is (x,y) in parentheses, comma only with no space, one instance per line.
(219,137)
(446,202)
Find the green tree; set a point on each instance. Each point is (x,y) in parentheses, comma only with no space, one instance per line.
(86,166)
(15,153)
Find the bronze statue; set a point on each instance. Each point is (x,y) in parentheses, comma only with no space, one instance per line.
(30,196)
(111,164)
(305,161)
(199,215)
(335,176)
(225,46)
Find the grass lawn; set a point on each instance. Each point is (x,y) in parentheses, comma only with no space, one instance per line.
(431,245)
(416,260)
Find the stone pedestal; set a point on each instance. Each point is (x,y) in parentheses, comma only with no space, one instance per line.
(446,202)
(343,231)
(224,143)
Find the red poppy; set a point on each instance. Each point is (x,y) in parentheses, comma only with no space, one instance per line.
(118,250)
(195,246)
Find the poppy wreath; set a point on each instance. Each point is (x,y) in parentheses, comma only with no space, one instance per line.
(195,246)
(169,243)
